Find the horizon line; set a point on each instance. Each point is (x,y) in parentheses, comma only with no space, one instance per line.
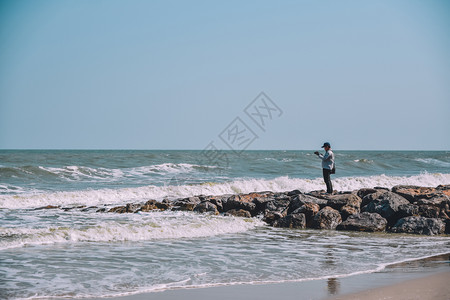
(228,150)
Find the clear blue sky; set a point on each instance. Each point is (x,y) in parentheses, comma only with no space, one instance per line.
(173,74)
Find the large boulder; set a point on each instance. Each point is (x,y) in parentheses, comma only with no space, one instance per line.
(371,197)
(413,193)
(340,200)
(365,191)
(301,199)
(445,189)
(238,213)
(293,193)
(291,221)
(407,210)
(429,211)
(348,210)
(278,206)
(309,210)
(419,225)
(164,205)
(438,201)
(244,202)
(347,204)
(206,206)
(263,198)
(327,218)
(386,204)
(218,201)
(118,209)
(271,216)
(186,204)
(153,205)
(364,222)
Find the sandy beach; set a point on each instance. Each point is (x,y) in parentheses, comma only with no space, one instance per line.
(432,287)
(419,279)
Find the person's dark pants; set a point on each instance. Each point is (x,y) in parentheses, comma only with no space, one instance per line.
(327,179)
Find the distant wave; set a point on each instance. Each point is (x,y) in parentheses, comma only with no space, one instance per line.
(158,225)
(76,173)
(12,189)
(363,160)
(279,184)
(433,161)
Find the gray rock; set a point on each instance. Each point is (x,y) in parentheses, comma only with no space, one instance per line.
(327,218)
(164,205)
(341,200)
(348,210)
(429,211)
(129,208)
(447,226)
(47,207)
(118,209)
(414,193)
(365,191)
(153,204)
(291,221)
(419,225)
(386,204)
(371,197)
(309,210)
(89,208)
(148,206)
(218,201)
(186,204)
(443,187)
(300,200)
(280,206)
(244,202)
(293,193)
(238,213)
(438,201)
(364,222)
(407,210)
(270,217)
(206,206)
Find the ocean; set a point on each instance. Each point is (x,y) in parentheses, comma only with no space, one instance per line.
(74,251)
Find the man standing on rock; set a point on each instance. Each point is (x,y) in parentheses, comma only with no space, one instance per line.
(327,165)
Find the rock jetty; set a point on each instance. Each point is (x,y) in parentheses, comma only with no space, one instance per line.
(402,209)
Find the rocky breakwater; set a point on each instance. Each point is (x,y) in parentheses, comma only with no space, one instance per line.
(402,209)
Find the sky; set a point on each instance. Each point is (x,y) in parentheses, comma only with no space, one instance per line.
(362,75)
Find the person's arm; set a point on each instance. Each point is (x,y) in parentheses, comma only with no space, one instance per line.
(326,157)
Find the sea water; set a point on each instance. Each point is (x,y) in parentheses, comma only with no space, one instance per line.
(75,251)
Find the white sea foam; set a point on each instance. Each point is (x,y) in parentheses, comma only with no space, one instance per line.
(279,184)
(135,227)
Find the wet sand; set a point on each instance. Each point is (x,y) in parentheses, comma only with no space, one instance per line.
(433,287)
(419,279)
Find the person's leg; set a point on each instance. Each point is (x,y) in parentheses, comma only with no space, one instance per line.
(327,179)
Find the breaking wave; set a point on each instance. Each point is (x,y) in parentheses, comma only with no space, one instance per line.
(140,227)
(280,184)
(75,173)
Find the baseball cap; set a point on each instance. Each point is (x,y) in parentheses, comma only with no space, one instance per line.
(326,144)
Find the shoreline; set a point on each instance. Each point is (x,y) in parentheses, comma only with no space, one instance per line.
(426,276)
